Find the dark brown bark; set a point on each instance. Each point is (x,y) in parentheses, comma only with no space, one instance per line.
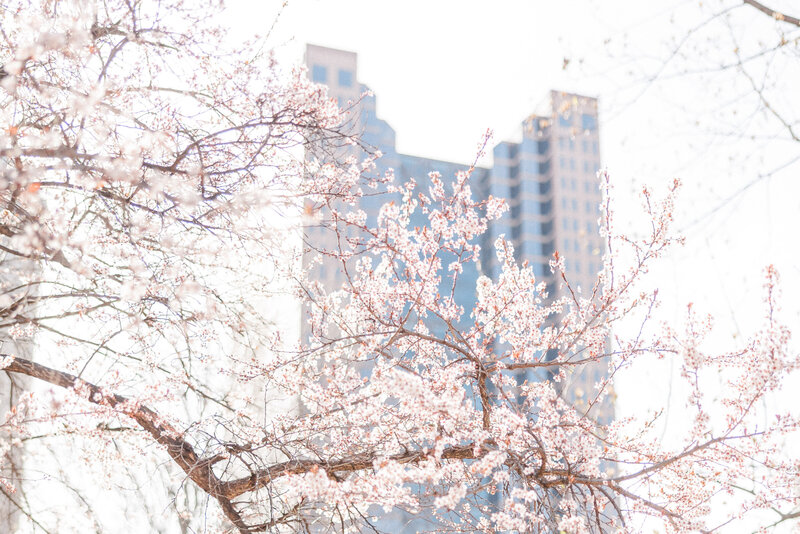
(198,469)
(181,452)
(777,15)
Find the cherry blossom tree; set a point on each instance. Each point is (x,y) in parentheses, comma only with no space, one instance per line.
(155,190)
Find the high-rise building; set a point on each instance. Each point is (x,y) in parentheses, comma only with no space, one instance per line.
(549,180)
(548,177)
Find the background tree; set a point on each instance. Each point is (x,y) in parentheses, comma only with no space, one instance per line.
(725,71)
(152,184)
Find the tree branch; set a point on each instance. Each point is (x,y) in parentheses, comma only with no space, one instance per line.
(348,464)
(199,470)
(777,15)
(181,452)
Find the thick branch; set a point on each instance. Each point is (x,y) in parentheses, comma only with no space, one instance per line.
(348,464)
(181,452)
(200,470)
(777,15)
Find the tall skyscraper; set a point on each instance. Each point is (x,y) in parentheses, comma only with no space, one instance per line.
(548,177)
(550,181)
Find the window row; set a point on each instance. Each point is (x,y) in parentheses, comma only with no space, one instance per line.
(575,266)
(530,207)
(570,163)
(589,207)
(587,122)
(525,190)
(590,227)
(319,74)
(526,167)
(589,186)
(569,143)
(580,246)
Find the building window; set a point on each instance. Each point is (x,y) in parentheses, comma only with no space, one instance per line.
(319,74)
(345,78)
(577,266)
(544,167)
(574,185)
(585,145)
(571,143)
(564,204)
(588,207)
(565,224)
(571,164)
(594,147)
(575,225)
(562,142)
(574,205)
(562,163)
(586,166)
(565,120)
(542,147)
(588,122)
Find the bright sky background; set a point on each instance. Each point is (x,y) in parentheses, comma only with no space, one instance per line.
(445,71)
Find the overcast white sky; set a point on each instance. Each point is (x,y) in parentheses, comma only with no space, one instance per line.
(445,71)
